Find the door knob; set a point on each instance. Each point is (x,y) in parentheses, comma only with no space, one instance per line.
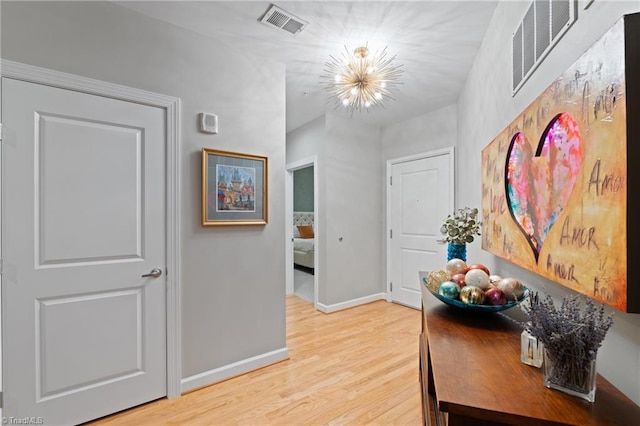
(155,273)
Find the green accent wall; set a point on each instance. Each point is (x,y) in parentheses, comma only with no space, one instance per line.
(303,190)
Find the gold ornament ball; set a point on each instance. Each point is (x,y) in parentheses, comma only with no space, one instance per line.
(472,295)
(435,278)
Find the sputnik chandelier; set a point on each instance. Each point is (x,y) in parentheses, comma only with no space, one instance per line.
(359,81)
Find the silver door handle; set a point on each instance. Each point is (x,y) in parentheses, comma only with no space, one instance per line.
(155,273)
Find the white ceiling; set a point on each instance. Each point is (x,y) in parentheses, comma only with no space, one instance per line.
(435,40)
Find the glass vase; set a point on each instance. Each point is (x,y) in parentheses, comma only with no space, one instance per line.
(573,375)
(457,251)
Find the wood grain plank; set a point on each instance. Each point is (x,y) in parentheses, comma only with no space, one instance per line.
(352,367)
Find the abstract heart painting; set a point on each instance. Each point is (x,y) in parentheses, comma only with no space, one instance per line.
(540,183)
(556,196)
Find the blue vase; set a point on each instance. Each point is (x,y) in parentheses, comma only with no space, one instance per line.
(457,251)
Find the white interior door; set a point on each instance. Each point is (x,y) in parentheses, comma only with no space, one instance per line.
(420,197)
(84,334)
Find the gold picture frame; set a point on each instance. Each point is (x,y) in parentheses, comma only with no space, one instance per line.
(234,188)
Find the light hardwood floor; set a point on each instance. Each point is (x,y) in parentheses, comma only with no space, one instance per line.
(358,367)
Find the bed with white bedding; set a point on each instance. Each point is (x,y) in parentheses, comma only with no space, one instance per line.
(303,248)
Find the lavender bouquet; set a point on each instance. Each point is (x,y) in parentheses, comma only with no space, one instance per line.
(571,337)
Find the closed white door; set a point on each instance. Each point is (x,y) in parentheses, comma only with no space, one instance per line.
(421,197)
(84,333)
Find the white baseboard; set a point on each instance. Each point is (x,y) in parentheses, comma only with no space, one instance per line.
(225,372)
(327,309)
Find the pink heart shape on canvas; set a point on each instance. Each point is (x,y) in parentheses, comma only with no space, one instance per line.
(539,186)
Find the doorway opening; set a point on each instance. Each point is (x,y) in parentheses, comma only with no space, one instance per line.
(302,230)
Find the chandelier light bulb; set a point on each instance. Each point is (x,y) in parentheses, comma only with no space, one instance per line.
(358,80)
(360,52)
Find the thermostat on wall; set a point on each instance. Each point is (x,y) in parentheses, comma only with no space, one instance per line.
(208,123)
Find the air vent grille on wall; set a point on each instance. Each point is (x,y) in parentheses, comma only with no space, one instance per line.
(528,41)
(281,19)
(543,17)
(542,26)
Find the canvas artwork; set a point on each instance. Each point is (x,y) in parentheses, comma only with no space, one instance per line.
(235,189)
(554,182)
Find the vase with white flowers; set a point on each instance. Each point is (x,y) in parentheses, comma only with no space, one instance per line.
(459,229)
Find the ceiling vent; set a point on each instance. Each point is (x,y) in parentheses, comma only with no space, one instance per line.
(281,19)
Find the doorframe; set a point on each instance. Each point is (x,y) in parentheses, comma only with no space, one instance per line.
(290,168)
(172,107)
(394,161)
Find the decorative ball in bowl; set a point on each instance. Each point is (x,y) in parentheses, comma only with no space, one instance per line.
(472,288)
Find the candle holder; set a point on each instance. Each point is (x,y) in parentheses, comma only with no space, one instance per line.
(531,350)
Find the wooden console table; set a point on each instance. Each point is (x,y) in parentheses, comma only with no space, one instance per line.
(471,374)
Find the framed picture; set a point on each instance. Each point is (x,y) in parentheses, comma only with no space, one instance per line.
(234,188)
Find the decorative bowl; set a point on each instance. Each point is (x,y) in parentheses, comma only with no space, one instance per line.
(470,307)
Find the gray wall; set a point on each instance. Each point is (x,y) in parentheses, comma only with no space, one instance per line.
(307,141)
(303,190)
(354,206)
(229,314)
(350,205)
(428,132)
(486,107)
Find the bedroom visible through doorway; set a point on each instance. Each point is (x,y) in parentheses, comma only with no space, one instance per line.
(303,233)
(302,265)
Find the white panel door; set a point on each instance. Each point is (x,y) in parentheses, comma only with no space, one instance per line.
(421,198)
(84,333)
